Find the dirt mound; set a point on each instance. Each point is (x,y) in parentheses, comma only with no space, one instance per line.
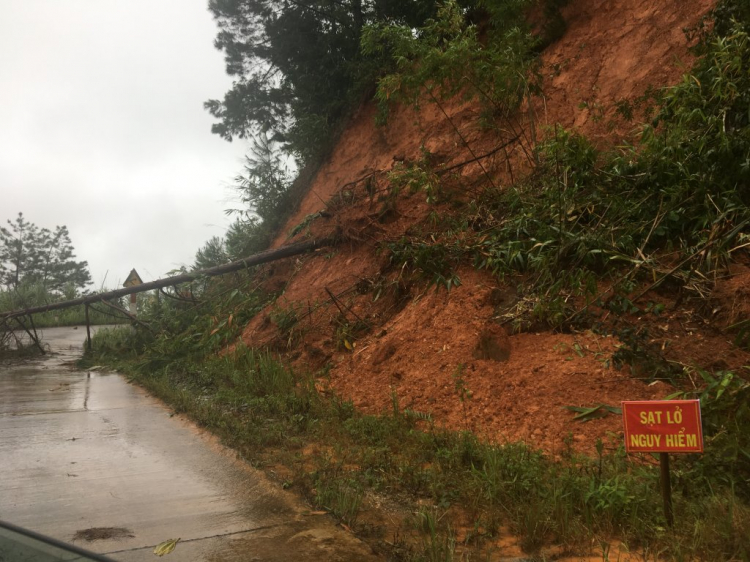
(428,357)
(388,340)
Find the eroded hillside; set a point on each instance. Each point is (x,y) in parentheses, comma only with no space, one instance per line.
(541,212)
(380,334)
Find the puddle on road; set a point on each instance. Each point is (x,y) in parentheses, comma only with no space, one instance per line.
(103,533)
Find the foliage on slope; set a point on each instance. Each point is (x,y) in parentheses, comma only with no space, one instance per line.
(301,68)
(590,234)
(674,207)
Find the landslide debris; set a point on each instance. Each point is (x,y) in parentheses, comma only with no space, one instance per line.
(390,332)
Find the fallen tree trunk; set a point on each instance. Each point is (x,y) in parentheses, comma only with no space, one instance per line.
(256,259)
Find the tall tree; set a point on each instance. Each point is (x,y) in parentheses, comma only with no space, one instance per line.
(264,184)
(294,61)
(17,250)
(32,255)
(58,266)
(212,253)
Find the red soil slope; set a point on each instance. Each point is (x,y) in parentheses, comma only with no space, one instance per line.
(425,347)
(614,51)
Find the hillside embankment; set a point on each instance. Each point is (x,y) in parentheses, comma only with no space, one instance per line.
(525,233)
(383,335)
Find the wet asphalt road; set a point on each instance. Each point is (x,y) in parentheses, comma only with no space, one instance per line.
(84,450)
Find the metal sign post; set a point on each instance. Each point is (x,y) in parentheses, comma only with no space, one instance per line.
(666,488)
(133,280)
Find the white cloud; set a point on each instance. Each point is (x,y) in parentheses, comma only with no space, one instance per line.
(102,128)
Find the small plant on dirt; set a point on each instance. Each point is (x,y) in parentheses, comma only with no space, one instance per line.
(348,332)
(344,339)
(286,319)
(416,177)
(462,391)
(342,498)
(645,359)
(596,109)
(305,224)
(434,261)
(438,545)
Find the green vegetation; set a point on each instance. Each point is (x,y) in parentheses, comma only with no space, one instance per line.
(296,65)
(433,262)
(446,57)
(202,319)
(673,209)
(589,233)
(34,295)
(269,413)
(300,68)
(585,236)
(38,267)
(33,256)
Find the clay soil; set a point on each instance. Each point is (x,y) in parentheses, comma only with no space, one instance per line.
(444,353)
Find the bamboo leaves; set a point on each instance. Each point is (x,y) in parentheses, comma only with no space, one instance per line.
(166,547)
(584,414)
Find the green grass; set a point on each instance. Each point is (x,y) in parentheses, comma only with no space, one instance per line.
(268,413)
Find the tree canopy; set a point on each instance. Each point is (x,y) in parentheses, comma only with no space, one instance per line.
(295,62)
(299,65)
(32,255)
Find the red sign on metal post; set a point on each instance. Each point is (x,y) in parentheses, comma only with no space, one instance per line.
(663,426)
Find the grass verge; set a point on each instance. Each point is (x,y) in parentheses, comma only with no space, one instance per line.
(459,494)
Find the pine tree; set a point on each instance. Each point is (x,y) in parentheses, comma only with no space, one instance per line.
(295,62)
(17,251)
(264,185)
(212,253)
(30,255)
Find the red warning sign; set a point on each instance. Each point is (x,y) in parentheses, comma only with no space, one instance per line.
(663,426)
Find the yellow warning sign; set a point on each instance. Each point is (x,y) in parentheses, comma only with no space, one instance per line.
(133,279)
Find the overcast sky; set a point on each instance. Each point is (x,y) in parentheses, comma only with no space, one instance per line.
(102,129)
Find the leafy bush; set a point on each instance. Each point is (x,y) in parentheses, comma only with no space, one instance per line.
(446,58)
(725,413)
(434,262)
(584,215)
